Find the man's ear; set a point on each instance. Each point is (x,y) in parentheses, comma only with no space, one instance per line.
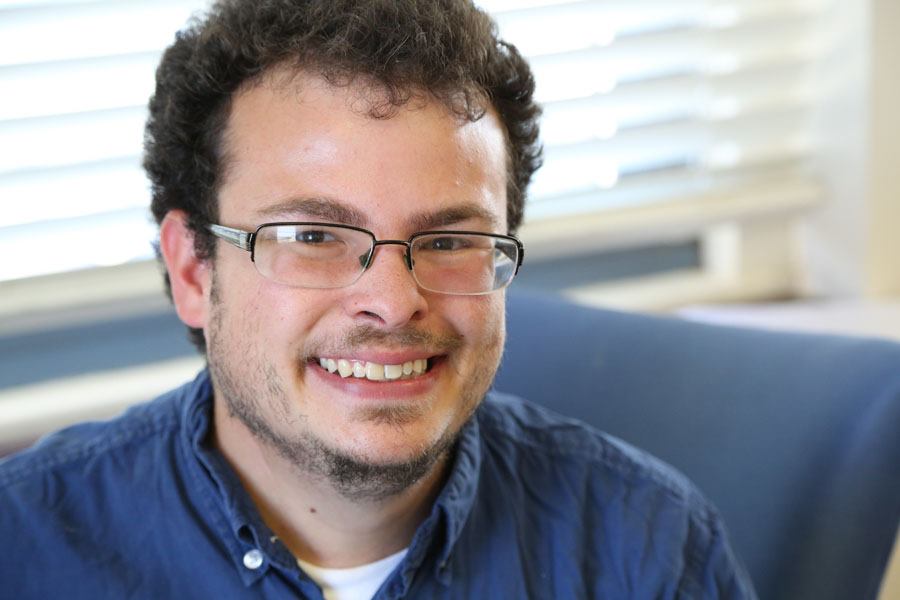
(189,276)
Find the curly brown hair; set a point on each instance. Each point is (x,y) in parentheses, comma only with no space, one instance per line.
(448,49)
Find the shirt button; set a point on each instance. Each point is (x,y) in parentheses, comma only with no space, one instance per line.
(253,559)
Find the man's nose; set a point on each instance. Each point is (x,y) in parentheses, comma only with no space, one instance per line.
(387,292)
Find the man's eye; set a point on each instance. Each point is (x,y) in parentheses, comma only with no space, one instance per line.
(312,236)
(447,243)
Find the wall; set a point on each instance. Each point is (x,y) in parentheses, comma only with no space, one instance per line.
(851,247)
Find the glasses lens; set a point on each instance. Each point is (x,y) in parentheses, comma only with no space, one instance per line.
(470,263)
(311,255)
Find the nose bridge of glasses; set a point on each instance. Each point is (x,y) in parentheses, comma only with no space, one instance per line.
(407,255)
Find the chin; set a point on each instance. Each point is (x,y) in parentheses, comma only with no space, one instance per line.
(379,465)
(386,444)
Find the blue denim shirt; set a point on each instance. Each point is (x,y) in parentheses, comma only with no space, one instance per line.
(536,506)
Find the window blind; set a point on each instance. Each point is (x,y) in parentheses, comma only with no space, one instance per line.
(655,101)
(646,103)
(75,78)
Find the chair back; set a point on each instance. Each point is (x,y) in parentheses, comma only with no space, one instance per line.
(794,437)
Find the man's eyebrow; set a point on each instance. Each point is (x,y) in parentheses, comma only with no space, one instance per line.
(452,215)
(334,211)
(315,208)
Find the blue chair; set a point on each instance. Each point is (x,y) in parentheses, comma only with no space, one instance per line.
(795,437)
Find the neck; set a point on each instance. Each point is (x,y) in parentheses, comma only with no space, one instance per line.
(310,516)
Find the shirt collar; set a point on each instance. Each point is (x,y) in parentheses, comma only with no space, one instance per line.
(229,509)
(241,528)
(442,528)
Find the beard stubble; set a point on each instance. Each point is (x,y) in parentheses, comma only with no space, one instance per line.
(254,393)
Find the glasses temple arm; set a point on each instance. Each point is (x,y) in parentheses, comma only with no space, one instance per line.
(237,237)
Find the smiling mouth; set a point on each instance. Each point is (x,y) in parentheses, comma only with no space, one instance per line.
(361,369)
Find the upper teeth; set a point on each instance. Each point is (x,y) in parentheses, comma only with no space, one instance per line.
(374,371)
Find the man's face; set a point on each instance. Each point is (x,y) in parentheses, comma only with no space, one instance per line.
(306,151)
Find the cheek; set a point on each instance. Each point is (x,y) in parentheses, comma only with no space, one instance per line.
(280,320)
(251,312)
(481,320)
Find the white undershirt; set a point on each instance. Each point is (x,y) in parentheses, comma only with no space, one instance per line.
(355,583)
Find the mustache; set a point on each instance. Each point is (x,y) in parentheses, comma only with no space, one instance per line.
(363,336)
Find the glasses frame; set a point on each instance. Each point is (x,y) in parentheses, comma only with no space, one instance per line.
(246,240)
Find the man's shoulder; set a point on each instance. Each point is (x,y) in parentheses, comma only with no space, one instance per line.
(551,446)
(82,503)
(70,448)
(605,501)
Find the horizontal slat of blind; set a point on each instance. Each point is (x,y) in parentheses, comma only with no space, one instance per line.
(689,95)
(73,86)
(67,140)
(94,29)
(600,165)
(669,99)
(66,245)
(562,27)
(64,193)
(694,138)
(681,52)
(19,4)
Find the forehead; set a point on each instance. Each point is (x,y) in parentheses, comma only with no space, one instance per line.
(292,142)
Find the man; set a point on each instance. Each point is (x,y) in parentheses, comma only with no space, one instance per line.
(336,183)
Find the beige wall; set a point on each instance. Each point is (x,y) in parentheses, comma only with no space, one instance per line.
(852,248)
(884,168)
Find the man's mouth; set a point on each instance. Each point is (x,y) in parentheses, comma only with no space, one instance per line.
(361,369)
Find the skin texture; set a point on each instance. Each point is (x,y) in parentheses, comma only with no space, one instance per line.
(343,471)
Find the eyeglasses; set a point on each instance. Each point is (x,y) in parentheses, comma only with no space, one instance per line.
(326,255)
